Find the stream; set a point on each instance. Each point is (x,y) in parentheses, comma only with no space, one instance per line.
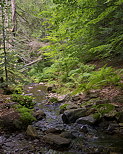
(83,143)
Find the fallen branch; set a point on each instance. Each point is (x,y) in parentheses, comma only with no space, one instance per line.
(31,63)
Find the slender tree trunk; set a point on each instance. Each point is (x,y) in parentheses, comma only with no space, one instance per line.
(4,40)
(14,28)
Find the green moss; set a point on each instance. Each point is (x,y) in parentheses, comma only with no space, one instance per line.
(26,116)
(96,116)
(23,100)
(103,109)
(90,102)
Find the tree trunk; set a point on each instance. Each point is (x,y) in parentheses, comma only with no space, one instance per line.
(4,39)
(14,28)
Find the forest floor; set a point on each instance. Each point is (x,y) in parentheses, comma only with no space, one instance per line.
(107,92)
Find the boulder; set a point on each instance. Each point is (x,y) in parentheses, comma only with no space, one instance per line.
(57,140)
(10,119)
(70,116)
(67,134)
(53,131)
(86,120)
(31,131)
(39,114)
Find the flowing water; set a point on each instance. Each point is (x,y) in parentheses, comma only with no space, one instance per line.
(92,142)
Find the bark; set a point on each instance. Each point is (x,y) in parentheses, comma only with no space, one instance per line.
(4,40)
(14,28)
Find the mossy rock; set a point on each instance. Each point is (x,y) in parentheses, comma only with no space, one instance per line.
(96,116)
(26,115)
(94,101)
(104,109)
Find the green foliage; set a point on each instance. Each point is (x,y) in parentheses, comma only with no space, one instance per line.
(26,101)
(25,115)
(80,74)
(18,89)
(104,76)
(77,32)
(63,106)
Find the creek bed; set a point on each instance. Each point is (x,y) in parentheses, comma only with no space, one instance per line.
(92,142)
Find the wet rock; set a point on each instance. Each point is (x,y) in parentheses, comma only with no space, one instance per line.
(39,114)
(31,131)
(57,140)
(53,131)
(84,129)
(86,120)
(70,116)
(67,134)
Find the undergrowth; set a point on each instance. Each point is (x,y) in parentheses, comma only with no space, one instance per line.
(79,77)
(26,101)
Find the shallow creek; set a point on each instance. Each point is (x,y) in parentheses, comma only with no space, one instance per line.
(92,142)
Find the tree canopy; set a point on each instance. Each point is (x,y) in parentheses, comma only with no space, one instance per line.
(56,40)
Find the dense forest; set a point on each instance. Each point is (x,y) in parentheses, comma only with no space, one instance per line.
(61,42)
(74,50)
